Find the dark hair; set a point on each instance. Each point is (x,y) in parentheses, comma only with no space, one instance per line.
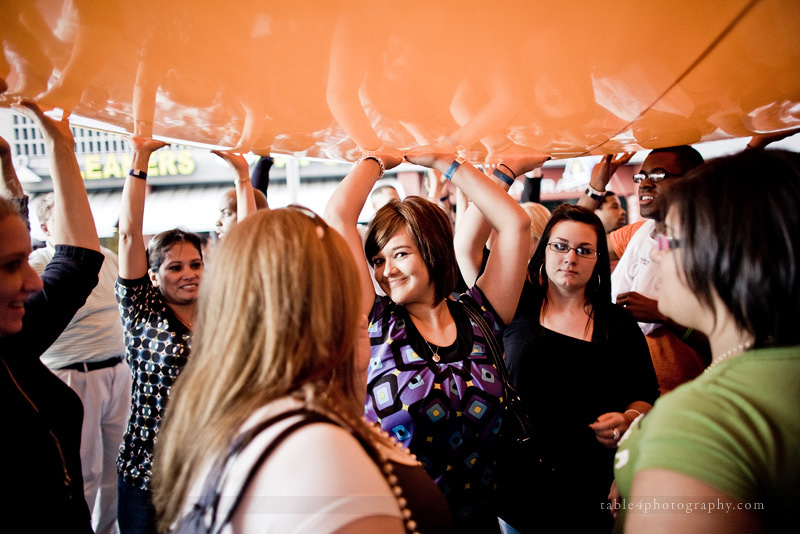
(606,198)
(432,232)
(687,157)
(598,288)
(161,243)
(740,237)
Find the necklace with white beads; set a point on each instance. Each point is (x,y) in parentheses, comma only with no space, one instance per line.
(733,351)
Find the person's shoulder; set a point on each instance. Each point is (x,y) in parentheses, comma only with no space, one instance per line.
(381,307)
(474,296)
(39,258)
(530,304)
(622,236)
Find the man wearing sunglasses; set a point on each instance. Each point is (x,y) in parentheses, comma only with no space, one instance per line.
(634,282)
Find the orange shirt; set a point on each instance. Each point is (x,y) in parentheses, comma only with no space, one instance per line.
(620,237)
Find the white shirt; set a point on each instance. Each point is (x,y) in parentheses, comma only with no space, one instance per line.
(95,333)
(317,481)
(636,271)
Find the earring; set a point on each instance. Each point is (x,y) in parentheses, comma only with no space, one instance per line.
(599,281)
(541,275)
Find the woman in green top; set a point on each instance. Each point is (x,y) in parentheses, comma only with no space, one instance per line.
(718,454)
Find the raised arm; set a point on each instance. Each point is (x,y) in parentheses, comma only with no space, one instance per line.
(245,201)
(761,141)
(344,207)
(601,175)
(473,231)
(502,280)
(471,235)
(74,224)
(132,253)
(10,186)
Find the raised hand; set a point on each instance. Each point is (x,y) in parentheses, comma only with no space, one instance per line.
(237,161)
(603,171)
(437,156)
(52,130)
(391,157)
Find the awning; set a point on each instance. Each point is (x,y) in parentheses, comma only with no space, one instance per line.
(194,208)
(105,210)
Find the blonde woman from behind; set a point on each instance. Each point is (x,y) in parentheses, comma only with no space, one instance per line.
(276,337)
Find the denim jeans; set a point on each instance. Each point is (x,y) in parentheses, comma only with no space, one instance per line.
(135,511)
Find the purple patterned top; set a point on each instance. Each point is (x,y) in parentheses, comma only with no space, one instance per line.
(448,412)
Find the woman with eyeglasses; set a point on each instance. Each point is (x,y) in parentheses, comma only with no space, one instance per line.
(431,383)
(724,446)
(581,366)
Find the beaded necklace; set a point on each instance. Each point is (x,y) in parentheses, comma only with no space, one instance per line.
(733,351)
(380,440)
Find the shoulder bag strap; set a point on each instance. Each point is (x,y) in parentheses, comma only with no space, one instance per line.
(309,418)
(515,406)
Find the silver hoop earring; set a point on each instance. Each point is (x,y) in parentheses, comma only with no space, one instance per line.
(599,281)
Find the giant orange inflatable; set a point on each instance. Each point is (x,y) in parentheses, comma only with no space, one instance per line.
(323,77)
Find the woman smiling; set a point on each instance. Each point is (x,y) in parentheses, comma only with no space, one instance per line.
(431,383)
(157,293)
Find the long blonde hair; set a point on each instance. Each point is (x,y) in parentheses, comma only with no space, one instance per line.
(278,317)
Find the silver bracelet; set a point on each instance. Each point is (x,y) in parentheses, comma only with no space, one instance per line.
(594,194)
(380,164)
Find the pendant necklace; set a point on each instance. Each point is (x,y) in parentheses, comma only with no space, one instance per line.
(436,357)
(187,324)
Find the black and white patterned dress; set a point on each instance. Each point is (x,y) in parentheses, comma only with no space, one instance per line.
(157,348)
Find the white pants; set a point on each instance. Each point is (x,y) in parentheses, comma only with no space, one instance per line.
(106,397)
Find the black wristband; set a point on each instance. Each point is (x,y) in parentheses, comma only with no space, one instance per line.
(592,193)
(142,175)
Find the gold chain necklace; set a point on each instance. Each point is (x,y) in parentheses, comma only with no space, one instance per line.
(188,324)
(733,351)
(436,357)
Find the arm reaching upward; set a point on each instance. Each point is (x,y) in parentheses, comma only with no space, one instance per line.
(73,215)
(132,253)
(502,280)
(245,201)
(601,175)
(344,206)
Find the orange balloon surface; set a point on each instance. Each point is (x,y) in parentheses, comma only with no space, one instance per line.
(322,78)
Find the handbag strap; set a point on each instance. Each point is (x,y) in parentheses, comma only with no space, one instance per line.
(310,418)
(492,345)
(211,496)
(515,405)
